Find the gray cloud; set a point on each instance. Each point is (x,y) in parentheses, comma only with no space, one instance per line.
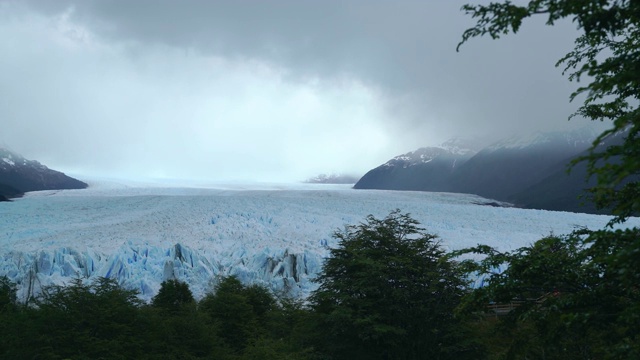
(269,88)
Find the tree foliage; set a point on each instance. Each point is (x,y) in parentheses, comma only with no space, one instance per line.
(571,297)
(607,56)
(231,311)
(7,294)
(7,310)
(82,321)
(101,320)
(592,276)
(173,296)
(388,292)
(252,324)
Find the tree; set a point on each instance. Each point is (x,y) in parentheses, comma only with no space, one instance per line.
(173,296)
(7,293)
(572,301)
(84,321)
(176,330)
(388,292)
(252,324)
(607,53)
(233,312)
(8,310)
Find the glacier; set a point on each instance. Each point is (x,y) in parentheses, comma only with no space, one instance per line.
(271,234)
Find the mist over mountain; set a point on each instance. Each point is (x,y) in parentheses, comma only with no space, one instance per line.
(528,171)
(19,175)
(332,179)
(565,191)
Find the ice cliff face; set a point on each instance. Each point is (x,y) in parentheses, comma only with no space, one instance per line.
(143,267)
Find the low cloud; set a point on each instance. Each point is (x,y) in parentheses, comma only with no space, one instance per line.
(264,91)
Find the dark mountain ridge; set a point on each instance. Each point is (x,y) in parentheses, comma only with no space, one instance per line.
(563,191)
(527,171)
(19,175)
(510,166)
(428,168)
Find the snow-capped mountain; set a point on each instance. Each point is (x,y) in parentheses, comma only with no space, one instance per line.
(455,148)
(332,179)
(576,139)
(498,171)
(19,175)
(425,168)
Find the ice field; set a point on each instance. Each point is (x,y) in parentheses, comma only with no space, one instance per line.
(275,235)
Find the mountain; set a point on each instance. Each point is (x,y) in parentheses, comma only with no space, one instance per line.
(529,171)
(7,192)
(332,179)
(428,168)
(510,166)
(559,190)
(19,175)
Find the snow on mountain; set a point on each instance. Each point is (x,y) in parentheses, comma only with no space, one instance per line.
(420,156)
(579,138)
(455,147)
(276,236)
(10,160)
(19,175)
(427,168)
(463,146)
(332,179)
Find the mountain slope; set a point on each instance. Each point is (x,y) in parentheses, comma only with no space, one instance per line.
(560,189)
(19,175)
(513,165)
(427,168)
(528,171)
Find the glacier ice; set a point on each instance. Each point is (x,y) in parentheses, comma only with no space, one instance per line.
(276,236)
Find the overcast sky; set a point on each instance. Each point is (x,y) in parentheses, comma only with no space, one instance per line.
(263,90)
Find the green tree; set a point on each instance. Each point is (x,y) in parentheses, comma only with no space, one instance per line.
(233,313)
(7,294)
(81,321)
(173,296)
(176,330)
(605,263)
(253,324)
(182,334)
(607,55)
(388,292)
(8,315)
(289,332)
(572,301)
